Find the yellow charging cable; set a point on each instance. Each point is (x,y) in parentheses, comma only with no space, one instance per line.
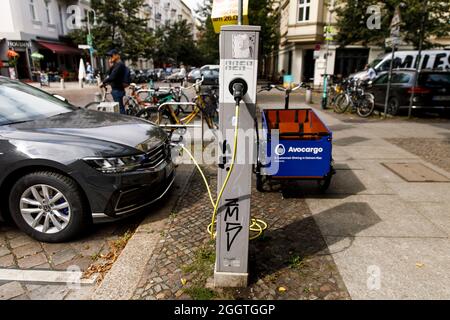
(258,226)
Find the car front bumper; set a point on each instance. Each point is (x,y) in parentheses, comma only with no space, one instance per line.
(114,196)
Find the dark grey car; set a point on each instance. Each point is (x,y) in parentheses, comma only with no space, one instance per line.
(432,90)
(62,166)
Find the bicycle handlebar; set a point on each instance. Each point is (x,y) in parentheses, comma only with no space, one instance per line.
(283,89)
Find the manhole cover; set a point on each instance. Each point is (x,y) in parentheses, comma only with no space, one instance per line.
(415,172)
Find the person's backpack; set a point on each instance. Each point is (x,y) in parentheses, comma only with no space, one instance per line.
(126,77)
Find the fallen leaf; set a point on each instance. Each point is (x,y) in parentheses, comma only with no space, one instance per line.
(282,289)
(183,281)
(419,265)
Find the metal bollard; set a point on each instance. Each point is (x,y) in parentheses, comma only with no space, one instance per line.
(308,96)
(62,84)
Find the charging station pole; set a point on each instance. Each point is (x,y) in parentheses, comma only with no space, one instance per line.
(238,64)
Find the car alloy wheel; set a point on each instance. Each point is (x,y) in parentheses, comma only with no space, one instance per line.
(45,209)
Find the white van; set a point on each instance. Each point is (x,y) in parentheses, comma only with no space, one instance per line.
(430,59)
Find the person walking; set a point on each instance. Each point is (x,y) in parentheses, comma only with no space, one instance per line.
(115,78)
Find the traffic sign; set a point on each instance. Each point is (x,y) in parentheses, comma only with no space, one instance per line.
(90,40)
(84,47)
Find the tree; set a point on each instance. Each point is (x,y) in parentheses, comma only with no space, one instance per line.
(208,42)
(352,16)
(118,25)
(261,13)
(175,44)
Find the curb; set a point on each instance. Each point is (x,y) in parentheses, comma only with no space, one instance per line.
(122,280)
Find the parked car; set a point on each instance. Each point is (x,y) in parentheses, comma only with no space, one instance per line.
(160,74)
(62,167)
(151,75)
(175,76)
(193,75)
(432,90)
(210,73)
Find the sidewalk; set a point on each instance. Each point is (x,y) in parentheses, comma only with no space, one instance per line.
(373,235)
(388,237)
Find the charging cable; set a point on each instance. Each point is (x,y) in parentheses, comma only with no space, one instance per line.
(257,226)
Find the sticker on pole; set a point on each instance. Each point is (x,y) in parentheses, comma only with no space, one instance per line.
(243,45)
(225,12)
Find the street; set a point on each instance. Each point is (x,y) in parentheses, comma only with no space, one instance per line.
(374,234)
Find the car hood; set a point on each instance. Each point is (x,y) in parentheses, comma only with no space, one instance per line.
(98,126)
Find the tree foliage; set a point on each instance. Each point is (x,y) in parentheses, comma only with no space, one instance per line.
(118,25)
(352,17)
(208,42)
(261,13)
(174,44)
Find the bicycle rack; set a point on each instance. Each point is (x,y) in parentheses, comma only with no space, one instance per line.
(184,126)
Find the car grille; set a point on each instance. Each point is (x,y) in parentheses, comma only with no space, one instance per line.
(156,156)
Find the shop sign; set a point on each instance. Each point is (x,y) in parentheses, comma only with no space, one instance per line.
(19,44)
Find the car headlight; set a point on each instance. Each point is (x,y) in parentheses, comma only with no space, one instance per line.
(116,164)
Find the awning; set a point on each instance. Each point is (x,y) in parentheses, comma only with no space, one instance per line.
(59,48)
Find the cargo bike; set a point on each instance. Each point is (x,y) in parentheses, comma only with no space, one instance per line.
(302,149)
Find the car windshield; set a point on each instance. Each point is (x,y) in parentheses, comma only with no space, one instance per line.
(22,103)
(374,63)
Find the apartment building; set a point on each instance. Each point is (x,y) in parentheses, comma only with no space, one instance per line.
(163,12)
(28,26)
(303,48)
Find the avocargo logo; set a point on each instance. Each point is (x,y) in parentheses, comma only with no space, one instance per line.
(280,150)
(306,150)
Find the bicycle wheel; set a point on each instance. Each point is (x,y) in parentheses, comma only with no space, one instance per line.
(131,106)
(149,114)
(366,106)
(341,103)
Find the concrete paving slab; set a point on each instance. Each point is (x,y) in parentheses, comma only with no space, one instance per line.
(422,192)
(378,152)
(371,216)
(357,182)
(438,213)
(393,268)
(415,172)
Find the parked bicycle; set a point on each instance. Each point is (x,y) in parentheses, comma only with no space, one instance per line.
(354,96)
(206,103)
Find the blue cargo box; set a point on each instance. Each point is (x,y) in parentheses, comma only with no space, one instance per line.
(303,149)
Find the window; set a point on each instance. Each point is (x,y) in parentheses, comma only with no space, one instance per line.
(20,102)
(33,10)
(401,78)
(435,80)
(381,79)
(304,7)
(47,10)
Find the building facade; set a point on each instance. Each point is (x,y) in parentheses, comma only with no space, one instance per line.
(163,12)
(29,26)
(304,51)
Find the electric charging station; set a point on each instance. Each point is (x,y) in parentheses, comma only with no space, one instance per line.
(239,47)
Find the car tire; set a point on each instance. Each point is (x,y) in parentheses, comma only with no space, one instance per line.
(393,106)
(51,225)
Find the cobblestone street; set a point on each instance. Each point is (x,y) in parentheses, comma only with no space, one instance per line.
(291,261)
(20,252)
